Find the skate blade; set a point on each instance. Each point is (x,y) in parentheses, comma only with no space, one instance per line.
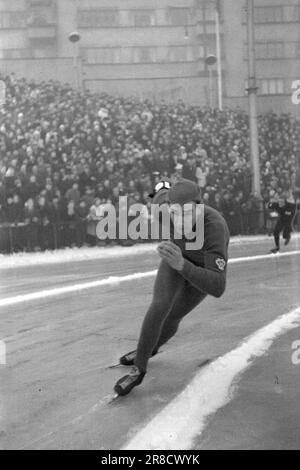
(113,399)
(115,366)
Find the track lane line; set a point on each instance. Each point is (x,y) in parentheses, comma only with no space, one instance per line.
(115,280)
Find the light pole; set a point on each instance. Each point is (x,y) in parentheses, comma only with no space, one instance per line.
(252,94)
(74,38)
(210,62)
(2,93)
(218,53)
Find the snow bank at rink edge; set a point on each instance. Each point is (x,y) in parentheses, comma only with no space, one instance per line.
(69,255)
(209,391)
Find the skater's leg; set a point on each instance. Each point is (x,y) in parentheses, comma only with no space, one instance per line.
(277,231)
(187,299)
(167,284)
(287,233)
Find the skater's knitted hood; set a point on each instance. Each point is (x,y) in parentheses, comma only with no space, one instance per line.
(183,192)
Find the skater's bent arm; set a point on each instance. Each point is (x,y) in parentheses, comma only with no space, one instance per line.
(207,280)
(210,278)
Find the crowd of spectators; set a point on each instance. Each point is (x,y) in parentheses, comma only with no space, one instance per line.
(64,154)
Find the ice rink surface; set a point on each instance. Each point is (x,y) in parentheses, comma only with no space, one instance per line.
(60,339)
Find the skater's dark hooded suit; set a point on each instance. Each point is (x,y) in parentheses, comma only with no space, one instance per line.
(286,209)
(184,279)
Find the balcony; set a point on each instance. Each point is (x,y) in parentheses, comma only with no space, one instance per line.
(41,24)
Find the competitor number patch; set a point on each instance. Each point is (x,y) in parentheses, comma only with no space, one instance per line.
(221,263)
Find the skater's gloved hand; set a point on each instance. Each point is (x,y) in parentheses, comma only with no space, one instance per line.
(172,254)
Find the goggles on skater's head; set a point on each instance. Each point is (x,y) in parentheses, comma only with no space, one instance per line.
(161,185)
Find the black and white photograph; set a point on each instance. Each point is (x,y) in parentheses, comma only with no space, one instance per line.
(149,228)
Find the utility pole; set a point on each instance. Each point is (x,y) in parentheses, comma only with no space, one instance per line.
(74,38)
(218,54)
(252,94)
(210,62)
(2,93)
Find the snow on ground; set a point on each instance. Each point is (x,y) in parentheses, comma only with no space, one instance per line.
(68,255)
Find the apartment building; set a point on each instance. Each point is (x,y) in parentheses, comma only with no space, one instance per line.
(155,49)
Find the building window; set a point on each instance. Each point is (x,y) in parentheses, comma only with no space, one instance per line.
(292,50)
(15,53)
(144,55)
(42,3)
(277,14)
(11,5)
(270,50)
(43,52)
(38,51)
(126,55)
(275,50)
(142,18)
(274,14)
(273,86)
(179,16)
(201,52)
(41,13)
(96,18)
(162,54)
(13,19)
(181,54)
(103,55)
(270,14)
(41,18)
(291,13)
(38,20)
(210,12)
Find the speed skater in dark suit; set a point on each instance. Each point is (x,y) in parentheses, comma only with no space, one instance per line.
(185,276)
(286,209)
